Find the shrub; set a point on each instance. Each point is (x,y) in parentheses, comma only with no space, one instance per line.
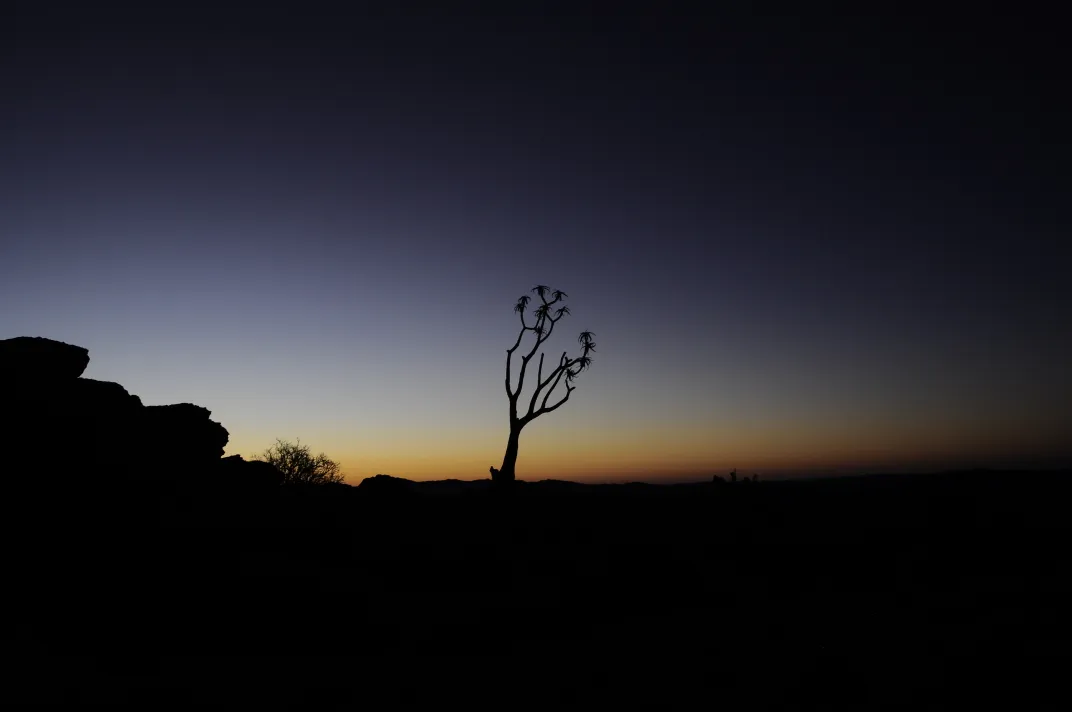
(299,466)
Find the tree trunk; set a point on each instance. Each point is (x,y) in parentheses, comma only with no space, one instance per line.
(505,475)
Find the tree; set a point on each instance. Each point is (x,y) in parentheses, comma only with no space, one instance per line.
(299,466)
(566,372)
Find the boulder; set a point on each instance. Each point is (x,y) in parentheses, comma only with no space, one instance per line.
(264,472)
(39,359)
(248,474)
(68,429)
(63,429)
(77,398)
(181,434)
(101,422)
(386,485)
(104,397)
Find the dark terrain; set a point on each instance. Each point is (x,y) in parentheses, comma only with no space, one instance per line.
(882,590)
(144,567)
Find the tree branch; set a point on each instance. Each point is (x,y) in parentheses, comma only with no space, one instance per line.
(521,373)
(509,354)
(544,319)
(544,327)
(540,338)
(563,363)
(537,327)
(554,385)
(539,377)
(542,410)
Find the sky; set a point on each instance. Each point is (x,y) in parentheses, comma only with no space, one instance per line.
(804,244)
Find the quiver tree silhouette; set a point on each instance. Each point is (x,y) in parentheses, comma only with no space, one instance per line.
(568,369)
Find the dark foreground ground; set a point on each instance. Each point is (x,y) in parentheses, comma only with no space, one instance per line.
(933,591)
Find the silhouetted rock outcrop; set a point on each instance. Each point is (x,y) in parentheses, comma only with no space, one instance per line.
(182,435)
(385,484)
(77,432)
(104,395)
(248,474)
(39,359)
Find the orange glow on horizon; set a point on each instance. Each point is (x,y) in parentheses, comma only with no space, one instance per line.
(571,446)
(663,453)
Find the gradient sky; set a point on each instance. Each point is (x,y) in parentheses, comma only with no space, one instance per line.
(804,244)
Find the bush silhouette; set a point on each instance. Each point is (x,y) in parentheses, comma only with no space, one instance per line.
(299,466)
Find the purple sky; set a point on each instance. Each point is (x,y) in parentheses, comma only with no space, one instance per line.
(803,244)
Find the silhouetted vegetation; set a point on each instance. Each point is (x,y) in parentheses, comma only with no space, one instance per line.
(299,466)
(568,369)
(733,478)
(816,579)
